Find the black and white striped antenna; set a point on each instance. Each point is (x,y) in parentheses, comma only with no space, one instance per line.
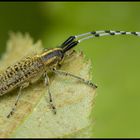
(74,40)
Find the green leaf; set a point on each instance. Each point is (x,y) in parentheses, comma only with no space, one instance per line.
(33,116)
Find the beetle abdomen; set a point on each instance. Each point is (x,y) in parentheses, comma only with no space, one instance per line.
(18,73)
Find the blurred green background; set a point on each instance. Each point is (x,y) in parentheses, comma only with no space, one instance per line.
(115,59)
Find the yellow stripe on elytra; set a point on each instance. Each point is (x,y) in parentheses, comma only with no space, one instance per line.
(49,51)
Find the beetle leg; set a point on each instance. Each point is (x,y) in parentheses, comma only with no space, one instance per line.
(17,99)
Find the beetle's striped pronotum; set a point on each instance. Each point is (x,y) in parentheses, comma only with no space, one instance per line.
(23,72)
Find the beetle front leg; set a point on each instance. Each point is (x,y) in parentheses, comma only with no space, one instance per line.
(64,73)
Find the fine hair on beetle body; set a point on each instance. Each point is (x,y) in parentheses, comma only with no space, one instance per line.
(22,73)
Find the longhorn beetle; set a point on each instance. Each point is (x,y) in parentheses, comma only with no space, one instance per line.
(23,72)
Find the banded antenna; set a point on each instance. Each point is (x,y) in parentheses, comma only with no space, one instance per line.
(74,40)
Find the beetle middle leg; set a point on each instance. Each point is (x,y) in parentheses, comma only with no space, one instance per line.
(50,96)
(17,99)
